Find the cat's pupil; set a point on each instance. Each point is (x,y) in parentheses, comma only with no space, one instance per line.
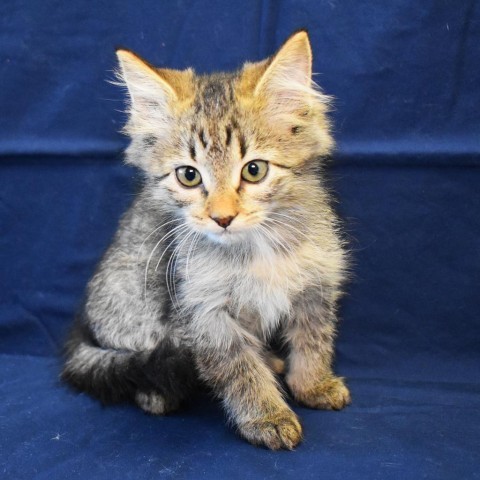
(190,174)
(253,169)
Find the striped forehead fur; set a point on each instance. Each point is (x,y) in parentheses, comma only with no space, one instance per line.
(215,105)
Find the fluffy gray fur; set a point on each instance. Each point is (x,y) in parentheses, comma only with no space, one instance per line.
(178,298)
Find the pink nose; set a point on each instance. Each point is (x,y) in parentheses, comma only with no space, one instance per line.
(223,222)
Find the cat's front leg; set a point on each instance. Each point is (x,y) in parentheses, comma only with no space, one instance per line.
(311,334)
(229,360)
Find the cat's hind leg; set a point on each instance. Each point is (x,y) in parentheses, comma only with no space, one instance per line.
(151,402)
(158,381)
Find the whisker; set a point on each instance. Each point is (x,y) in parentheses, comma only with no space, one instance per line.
(287,249)
(173,264)
(190,251)
(260,235)
(184,228)
(170,272)
(318,283)
(288,225)
(269,234)
(194,235)
(158,227)
(296,220)
(168,234)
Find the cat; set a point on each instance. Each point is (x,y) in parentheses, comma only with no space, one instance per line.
(230,244)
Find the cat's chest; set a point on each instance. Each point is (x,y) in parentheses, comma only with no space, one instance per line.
(264,292)
(257,293)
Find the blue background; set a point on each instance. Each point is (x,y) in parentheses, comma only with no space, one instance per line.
(406,77)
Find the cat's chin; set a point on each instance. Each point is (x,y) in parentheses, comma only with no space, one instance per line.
(226,237)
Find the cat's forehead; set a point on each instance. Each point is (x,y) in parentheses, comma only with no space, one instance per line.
(216,129)
(214,96)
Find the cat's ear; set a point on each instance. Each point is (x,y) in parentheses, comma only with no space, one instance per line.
(281,90)
(284,88)
(290,69)
(155,94)
(144,84)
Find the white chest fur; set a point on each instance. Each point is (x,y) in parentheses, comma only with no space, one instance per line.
(258,292)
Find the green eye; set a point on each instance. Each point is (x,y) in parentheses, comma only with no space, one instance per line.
(188,176)
(255,171)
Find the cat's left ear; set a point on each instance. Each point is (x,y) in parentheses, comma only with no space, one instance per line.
(290,69)
(284,94)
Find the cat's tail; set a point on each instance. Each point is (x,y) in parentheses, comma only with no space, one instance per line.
(120,375)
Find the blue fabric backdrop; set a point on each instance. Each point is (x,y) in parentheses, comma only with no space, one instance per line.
(406,77)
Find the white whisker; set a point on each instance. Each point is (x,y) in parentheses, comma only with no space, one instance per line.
(170,272)
(269,234)
(273,235)
(170,233)
(158,227)
(296,220)
(288,225)
(190,250)
(179,231)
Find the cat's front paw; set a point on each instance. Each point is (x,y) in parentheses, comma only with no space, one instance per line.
(329,393)
(276,431)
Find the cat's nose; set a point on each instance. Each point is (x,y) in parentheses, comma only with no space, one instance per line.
(224,222)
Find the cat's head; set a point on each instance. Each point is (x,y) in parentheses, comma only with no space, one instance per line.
(230,152)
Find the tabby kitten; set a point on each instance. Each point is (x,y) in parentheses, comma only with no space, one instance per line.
(231,244)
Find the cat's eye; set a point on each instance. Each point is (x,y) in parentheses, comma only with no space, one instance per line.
(255,171)
(188,176)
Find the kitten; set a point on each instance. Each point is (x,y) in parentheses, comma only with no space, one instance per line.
(230,244)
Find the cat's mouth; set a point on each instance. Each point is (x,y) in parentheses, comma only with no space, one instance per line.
(237,230)
(225,232)
(226,235)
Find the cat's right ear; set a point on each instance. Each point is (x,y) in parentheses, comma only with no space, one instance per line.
(144,84)
(155,94)
(151,98)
